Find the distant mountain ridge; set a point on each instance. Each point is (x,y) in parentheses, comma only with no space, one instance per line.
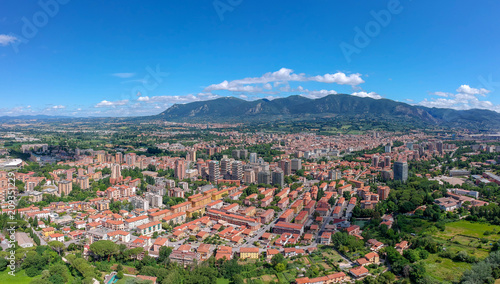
(228,109)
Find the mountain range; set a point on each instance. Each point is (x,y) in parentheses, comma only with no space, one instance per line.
(338,106)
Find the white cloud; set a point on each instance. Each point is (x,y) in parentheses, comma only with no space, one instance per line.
(106,103)
(283,76)
(7,39)
(372,95)
(442,94)
(460,104)
(233,87)
(150,105)
(19,110)
(316,94)
(124,75)
(466,89)
(465,99)
(54,108)
(339,78)
(271,97)
(168,100)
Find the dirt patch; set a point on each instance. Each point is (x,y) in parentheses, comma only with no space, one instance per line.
(126,269)
(306,260)
(268,278)
(326,266)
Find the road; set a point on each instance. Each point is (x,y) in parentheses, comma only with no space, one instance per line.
(266,228)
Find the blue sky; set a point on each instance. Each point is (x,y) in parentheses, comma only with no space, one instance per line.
(124,58)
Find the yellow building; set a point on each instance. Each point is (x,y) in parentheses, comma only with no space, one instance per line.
(200,210)
(48,231)
(201,200)
(372,257)
(219,194)
(252,253)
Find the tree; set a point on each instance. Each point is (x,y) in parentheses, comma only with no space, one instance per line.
(133,252)
(120,274)
(237,279)
(57,246)
(411,255)
(280,267)
(332,200)
(417,272)
(173,277)
(104,248)
(164,253)
(201,275)
(60,270)
(277,258)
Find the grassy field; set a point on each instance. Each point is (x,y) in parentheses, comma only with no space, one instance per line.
(444,269)
(471,229)
(460,236)
(361,223)
(222,281)
(333,256)
(122,281)
(20,277)
(269,278)
(126,269)
(466,236)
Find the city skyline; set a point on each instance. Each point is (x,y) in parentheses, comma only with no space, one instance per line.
(71,59)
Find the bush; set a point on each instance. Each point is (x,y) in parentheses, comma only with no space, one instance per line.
(32,271)
(103,266)
(120,275)
(446,254)
(423,254)
(461,256)
(3,264)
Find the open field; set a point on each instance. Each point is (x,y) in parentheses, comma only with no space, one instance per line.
(460,236)
(444,269)
(269,278)
(126,269)
(325,266)
(333,256)
(20,278)
(466,236)
(469,229)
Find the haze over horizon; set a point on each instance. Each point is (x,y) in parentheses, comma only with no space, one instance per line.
(67,58)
